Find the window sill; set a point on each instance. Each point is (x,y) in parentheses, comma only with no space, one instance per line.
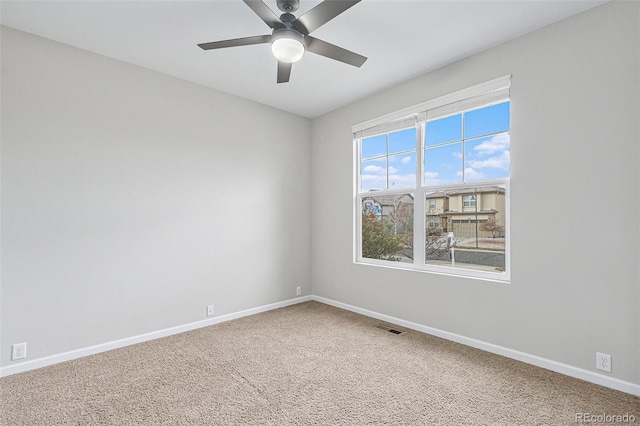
(497,277)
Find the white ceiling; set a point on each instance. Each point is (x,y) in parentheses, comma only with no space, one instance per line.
(402,39)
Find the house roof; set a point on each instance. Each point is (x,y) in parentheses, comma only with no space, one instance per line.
(465,191)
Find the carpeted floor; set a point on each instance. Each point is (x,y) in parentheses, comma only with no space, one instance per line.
(307,364)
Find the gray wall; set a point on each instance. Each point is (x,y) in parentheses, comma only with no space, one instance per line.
(131,200)
(575,199)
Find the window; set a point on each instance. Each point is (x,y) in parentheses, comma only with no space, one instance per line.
(468,201)
(433,185)
(433,222)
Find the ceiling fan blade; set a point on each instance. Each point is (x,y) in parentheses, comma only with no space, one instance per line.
(284,71)
(265,13)
(329,50)
(245,41)
(321,14)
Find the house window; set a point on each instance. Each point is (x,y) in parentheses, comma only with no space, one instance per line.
(469,201)
(433,185)
(433,222)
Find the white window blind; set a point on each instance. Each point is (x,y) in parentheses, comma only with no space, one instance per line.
(490,92)
(393,126)
(463,105)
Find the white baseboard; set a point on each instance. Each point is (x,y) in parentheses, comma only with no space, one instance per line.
(579,373)
(568,370)
(103,347)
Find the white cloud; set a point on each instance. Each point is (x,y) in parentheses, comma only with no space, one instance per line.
(430,175)
(457,154)
(431,178)
(374,169)
(498,143)
(501,162)
(373,182)
(407,159)
(471,174)
(378,170)
(402,181)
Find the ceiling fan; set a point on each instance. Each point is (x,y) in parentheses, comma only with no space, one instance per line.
(290,37)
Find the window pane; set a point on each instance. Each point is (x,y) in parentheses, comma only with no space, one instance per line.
(487,120)
(404,140)
(443,164)
(387,227)
(436,243)
(472,223)
(402,170)
(374,146)
(373,174)
(446,129)
(487,158)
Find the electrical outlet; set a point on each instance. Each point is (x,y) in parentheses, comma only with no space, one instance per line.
(18,351)
(210,310)
(298,291)
(603,362)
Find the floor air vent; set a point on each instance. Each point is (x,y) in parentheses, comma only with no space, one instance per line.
(390,330)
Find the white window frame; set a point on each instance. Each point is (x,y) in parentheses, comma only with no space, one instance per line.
(490,93)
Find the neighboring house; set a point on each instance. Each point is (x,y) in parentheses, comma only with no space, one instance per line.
(462,211)
(457,211)
(398,208)
(386,205)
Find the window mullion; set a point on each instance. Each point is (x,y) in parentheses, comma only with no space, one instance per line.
(464,178)
(387,162)
(419,211)
(420,129)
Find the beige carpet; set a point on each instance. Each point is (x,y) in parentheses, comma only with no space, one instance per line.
(308,364)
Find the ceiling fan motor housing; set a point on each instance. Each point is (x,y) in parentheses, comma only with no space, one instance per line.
(290,33)
(288,5)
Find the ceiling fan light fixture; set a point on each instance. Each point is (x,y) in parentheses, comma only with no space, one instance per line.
(287,45)
(290,35)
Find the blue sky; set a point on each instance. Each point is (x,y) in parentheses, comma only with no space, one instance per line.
(400,163)
(486,151)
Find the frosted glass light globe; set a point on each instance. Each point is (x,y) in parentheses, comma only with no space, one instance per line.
(287,45)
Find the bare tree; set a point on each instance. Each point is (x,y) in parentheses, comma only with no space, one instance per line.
(491,226)
(436,243)
(402,219)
